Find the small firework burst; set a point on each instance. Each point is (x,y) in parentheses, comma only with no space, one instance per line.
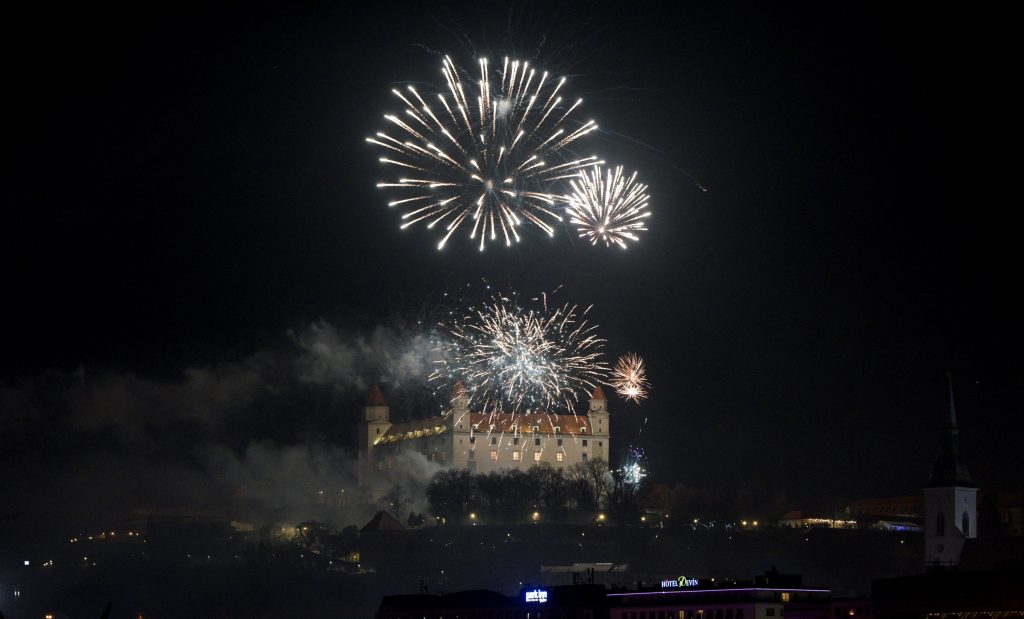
(607,207)
(632,469)
(629,378)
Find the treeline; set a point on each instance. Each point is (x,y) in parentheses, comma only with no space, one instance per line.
(542,492)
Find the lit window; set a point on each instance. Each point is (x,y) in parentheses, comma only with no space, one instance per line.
(785,596)
(560,456)
(494,454)
(517,455)
(536,456)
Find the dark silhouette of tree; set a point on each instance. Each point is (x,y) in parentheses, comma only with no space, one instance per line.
(451,494)
(589,480)
(623,504)
(395,501)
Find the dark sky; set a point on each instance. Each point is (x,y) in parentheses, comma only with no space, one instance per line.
(186,188)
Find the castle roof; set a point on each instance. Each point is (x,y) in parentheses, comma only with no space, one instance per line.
(375,398)
(459,389)
(506,423)
(598,394)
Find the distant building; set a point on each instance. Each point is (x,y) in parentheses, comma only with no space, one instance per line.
(796,519)
(950,501)
(482,442)
(769,595)
(573,601)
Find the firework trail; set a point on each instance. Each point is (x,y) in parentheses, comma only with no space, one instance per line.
(607,207)
(629,378)
(482,155)
(518,359)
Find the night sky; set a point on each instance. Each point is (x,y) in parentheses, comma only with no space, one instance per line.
(191,196)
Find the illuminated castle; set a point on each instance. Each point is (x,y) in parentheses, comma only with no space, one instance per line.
(482,442)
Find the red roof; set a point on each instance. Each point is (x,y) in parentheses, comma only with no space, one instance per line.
(382,521)
(458,389)
(529,423)
(598,394)
(376,398)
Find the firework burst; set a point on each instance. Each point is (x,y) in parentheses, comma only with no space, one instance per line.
(520,359)
(607,207)
(482,156)
(629,378)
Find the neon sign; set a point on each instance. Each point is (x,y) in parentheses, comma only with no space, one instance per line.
(682,581)
(536,595)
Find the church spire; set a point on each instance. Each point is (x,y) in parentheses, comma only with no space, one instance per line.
(952,404)
(949,470)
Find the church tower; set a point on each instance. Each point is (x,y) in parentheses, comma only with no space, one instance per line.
(950,502)
(373,425)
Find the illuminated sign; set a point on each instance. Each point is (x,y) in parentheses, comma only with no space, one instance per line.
(536,595)
(682,581)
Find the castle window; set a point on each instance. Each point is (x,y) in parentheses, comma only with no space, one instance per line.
(494,455)
(378,430)
(940,524)
(494,440)
(583,429)
(600,443)
(559,442)
(536,456)
(472,454)
(536,428)
(967,524)
(558,429)
(584,442)
(517,455)
(560,456)
(536,441)
(472,440)
(584,456)
(515,440)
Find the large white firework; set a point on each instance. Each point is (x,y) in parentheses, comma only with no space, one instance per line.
(518,359)
(483,156)
(607,206)
(629,378)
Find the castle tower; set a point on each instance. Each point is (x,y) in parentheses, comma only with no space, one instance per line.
(600,426)
(460,399)
(950,501)
(374,424)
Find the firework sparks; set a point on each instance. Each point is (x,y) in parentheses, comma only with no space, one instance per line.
(482,156)
(517,359)
(632,469)
(607,206)
(629,378)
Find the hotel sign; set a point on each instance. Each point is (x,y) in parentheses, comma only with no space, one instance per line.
(536,595)
(676,583)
